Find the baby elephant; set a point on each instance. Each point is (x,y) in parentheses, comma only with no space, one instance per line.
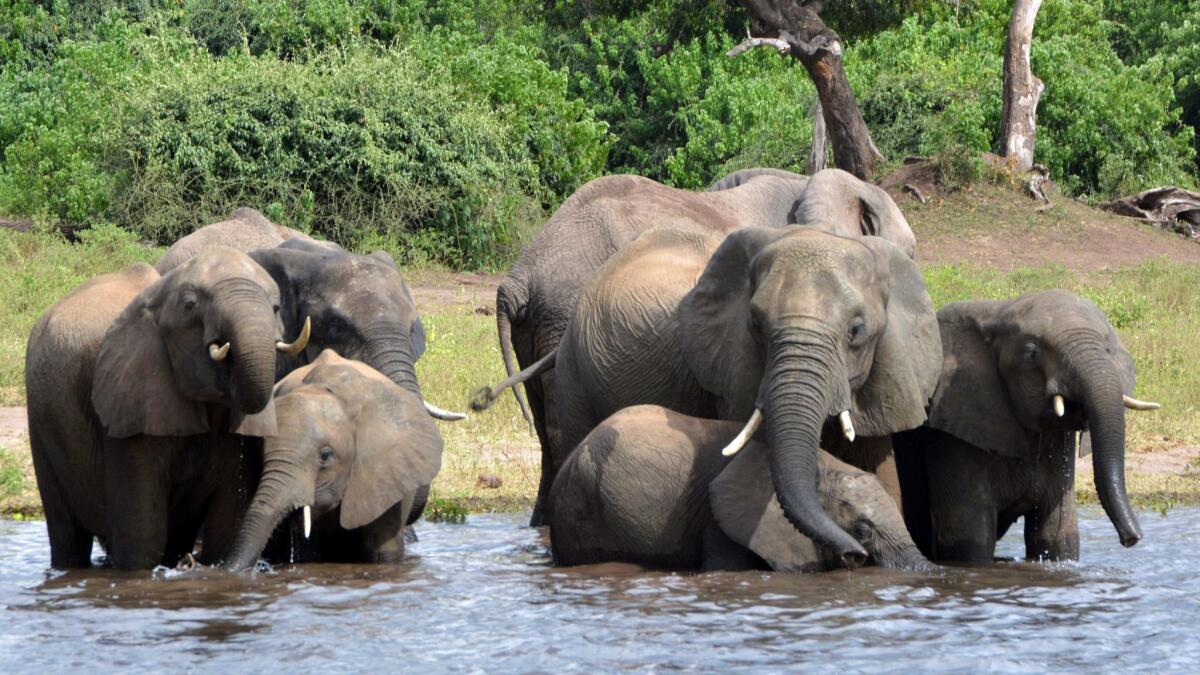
(1019,379)
(354,450)
(652,487)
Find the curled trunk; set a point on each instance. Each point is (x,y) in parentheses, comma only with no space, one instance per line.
(796,399)
(251,335)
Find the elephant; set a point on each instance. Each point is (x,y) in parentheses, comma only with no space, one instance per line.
(1018,379)
(537,298)
(245,230)
(791,327)
(651,486)
(135,384)
(359,306)
(355,454)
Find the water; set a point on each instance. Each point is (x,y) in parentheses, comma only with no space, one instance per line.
(482,596)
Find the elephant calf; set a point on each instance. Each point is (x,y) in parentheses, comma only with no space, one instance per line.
(1018,379)
(355,450)
(651,486)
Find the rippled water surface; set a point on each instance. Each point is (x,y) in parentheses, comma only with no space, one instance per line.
(483,596)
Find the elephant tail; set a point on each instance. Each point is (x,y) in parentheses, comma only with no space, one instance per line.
(485,397)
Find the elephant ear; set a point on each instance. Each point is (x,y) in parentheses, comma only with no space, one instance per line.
(745,508)
(714,323)
(398,451)
(908,354)
(971,402)
(133,388)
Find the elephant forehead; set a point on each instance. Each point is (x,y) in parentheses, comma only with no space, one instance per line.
(1048,313)
(212,266)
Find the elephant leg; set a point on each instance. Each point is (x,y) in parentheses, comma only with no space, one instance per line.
(914,490)
(720,553)
(70,542)
(963,504)
(1051,529)
(136,485)
(383,539)
(233,473)
(182,530)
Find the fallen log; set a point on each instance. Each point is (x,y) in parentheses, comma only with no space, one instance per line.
(1171,208)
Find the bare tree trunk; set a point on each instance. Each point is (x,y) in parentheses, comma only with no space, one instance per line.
(820,50)
(1022,89)
(820,141)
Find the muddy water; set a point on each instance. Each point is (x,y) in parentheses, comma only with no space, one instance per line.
(483,596)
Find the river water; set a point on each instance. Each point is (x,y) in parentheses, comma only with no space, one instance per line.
(482,596)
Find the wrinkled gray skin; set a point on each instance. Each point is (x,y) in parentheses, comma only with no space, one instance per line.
(357,449)
(994,450)
(130,416)
(650,486)
(538,296)
(245,230)
(359,305)
(792,321)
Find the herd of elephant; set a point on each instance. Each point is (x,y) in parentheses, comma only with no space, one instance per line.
(753,376)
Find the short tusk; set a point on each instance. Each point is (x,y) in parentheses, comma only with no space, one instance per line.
(307,521)
(744,435)
(294,348)
(1134,404)
(1060,406)
(847,425)
(437,413)
(218,353)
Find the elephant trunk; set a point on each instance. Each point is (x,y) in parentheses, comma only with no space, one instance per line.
(1106,420)
(798,379)
(250,331)
(280,492)
(902,555)
(389,351)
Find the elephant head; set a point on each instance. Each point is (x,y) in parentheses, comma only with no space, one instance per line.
(1047,361)
(359,305)
(792,327)
(208,331)
(349,439)
(840,203)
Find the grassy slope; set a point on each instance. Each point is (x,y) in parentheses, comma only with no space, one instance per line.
(1009,248)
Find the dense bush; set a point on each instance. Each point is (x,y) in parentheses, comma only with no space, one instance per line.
(445,129)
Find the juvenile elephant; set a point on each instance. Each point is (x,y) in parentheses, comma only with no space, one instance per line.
(134,382)
(245,230)
(652,487)
(537,298)
(354,450)
(791,326)
(1019,378)
(359,307)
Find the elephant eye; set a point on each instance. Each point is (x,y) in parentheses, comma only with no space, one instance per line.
(858,329)
(325,455)
(187,300)
(1030,353)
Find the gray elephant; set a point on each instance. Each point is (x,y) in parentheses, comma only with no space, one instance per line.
(355,455)
(245,230)
(537,298)
(791,326)
(359,306)
(134,384)
(1019,379)
(652,487)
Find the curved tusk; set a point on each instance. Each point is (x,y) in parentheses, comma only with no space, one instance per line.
(1134,404)
(307,521)
(437,413)
(744,435)
(1060,406)
(218,353)
(847,425)
(294,348)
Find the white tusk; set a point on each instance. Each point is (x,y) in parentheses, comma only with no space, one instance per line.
(1060,406)
(300,343)
(438,413)
(218,353)
(744,435)
(847,425)
(1134,404)
(307,521)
